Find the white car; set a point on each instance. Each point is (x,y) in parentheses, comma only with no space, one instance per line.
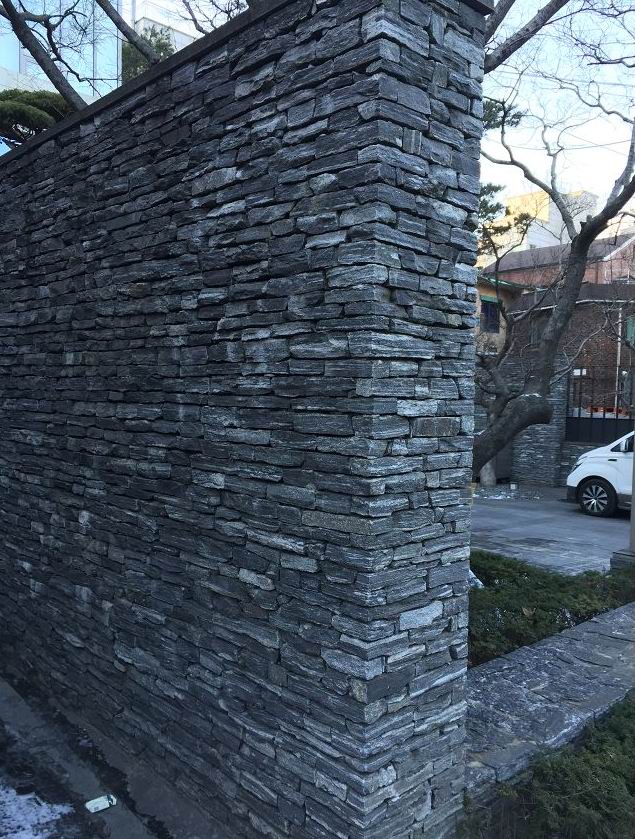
(602,479)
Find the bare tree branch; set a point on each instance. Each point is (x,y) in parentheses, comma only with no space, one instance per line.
(512,44)
(548,188)
(194,18)
(31,43)
(206,15)
(138,41)
(501,10)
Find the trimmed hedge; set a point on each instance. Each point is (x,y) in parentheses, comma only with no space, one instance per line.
(521,604)
(586,792)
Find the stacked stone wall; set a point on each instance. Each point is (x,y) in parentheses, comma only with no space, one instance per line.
(538,451)
(236,386)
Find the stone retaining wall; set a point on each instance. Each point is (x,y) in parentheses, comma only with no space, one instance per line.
(540,697)
(537,451)
(236,315)
(569,453)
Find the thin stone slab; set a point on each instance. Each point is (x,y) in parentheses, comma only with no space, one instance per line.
(542,696)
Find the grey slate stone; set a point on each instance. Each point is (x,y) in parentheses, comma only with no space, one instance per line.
(235,325)
(417,618)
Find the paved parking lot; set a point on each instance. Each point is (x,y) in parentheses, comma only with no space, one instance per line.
(548,532)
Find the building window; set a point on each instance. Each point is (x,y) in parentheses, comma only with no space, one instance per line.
(536,328)
(630,331)
(490,316)
(28,65)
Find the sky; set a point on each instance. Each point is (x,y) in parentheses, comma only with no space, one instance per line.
(596,144)
(171,12)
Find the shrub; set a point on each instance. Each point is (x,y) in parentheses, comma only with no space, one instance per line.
(576,793)
(521,604)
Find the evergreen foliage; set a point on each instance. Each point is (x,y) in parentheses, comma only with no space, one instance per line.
(133,63)
(496,222)
(24,113)
(521,604)
(576,793)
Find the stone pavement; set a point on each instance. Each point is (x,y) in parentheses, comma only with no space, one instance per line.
(66,764)
(61,782)
(542,529)
(542,696)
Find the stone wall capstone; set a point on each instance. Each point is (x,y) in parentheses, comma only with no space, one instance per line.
(236,408)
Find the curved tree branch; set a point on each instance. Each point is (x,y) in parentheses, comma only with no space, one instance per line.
(133,37)
(501,53)
(31,43)
(494,21)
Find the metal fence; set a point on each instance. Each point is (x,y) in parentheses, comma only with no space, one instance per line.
(600,405)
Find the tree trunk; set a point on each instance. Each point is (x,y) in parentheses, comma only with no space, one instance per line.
(521,412)
(48,66)
(532,407)
(487,474)
(133,37)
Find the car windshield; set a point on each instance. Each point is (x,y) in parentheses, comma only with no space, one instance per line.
(624,445)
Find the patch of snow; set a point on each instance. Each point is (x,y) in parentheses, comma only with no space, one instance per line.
(501,496)
(474,580)
(26,816)
(505,495)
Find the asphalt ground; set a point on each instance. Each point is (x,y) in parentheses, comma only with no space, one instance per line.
(547,531)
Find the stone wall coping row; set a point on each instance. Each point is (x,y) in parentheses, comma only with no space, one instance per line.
(256,11)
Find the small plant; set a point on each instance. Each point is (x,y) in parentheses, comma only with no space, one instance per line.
(133,63)
(520,604)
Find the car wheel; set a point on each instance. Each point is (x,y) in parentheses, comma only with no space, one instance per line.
(597,498)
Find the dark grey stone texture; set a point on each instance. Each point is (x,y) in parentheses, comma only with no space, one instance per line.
(537,451)
(235,427)
(541,697)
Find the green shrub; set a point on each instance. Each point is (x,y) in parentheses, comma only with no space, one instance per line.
(521,604)
(576,793)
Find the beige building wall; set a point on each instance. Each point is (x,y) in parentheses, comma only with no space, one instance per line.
(491,329)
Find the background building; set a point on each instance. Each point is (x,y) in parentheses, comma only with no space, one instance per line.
(593,397)
(547,227)
(167,16)
(95,54)
(611,259)
(491,327)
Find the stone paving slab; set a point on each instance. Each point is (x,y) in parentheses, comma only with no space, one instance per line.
(542,696)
